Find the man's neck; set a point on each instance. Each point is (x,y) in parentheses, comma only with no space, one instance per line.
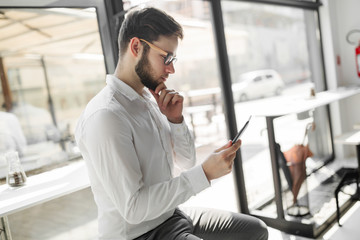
(130,78)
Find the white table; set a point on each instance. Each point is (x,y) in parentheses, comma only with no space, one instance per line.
(284,105)
(41,188)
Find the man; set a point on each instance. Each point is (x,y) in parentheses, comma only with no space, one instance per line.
(134,146)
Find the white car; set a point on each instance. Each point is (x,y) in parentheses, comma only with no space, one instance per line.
(257,84)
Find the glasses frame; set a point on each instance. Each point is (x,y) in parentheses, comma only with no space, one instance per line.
(168,57)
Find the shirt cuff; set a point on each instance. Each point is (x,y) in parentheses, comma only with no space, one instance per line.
(179,128)
(197,178)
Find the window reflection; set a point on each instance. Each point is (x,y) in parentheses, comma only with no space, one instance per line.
(268,48)
(52,66)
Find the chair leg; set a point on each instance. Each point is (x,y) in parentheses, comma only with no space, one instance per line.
(349,177)
(337,208)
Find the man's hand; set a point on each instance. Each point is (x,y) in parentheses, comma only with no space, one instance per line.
(221,161)
(169,102)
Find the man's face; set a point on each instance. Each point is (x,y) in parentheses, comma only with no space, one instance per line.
(145,72)
(151,68)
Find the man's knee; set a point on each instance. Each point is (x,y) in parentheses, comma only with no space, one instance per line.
(262,231)
(257,229)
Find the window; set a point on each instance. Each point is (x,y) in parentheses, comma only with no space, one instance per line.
(54,64)
(274,52)
(197,77)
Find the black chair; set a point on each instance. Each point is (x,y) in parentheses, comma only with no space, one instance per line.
(350,176)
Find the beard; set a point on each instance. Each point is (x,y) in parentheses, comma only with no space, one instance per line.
(143,70)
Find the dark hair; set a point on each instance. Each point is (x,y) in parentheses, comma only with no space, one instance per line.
(147,23)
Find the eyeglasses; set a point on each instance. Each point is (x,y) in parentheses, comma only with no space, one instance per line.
(168,57)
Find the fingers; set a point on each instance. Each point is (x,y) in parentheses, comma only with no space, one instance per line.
(156,96)
(160,87)
(169,96)
(229,154)
(234,147)
(164,96)
(228,144)
(221,161)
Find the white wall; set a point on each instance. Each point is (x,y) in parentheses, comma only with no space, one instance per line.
(348,18)
(337,18)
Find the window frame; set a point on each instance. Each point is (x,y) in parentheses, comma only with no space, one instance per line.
(105,11)
(225,77)
(304,4)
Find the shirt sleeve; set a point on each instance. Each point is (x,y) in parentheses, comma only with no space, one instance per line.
(183,145)
(108,140)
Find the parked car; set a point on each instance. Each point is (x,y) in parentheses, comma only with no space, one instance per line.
(257,84)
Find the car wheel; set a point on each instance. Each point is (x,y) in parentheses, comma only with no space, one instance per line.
(278,91)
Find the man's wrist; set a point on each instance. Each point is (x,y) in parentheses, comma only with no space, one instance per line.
(176,120)
(206,174)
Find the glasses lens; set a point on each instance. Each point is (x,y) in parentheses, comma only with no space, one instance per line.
(169,59)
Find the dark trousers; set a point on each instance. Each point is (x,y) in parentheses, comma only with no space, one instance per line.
(208,224)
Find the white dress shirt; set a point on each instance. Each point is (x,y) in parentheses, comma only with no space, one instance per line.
(132,153)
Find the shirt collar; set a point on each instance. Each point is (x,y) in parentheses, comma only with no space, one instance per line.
(121,87)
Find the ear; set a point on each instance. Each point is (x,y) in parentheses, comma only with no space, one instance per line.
(135,46)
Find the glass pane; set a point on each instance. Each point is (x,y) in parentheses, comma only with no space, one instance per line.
(198,79)
(54,64)
(274,53)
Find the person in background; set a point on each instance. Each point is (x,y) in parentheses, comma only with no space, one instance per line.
(11,135)
(139,152)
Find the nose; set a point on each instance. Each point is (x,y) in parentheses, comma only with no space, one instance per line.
(170,68)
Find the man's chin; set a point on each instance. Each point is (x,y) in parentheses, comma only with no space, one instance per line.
(150,85)
(152,88)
